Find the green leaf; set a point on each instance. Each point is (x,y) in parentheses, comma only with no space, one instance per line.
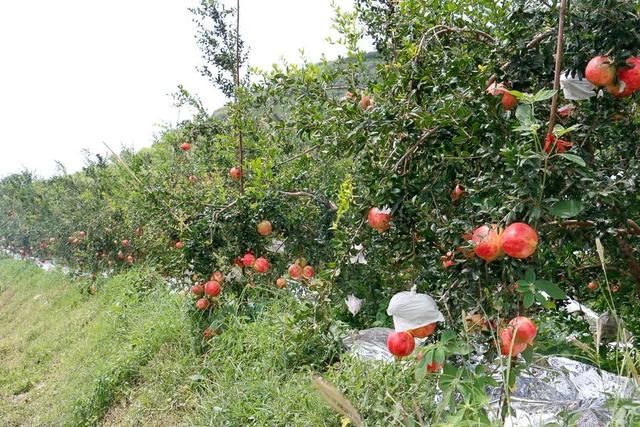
(447,336)
(524,114)
(573,158)
(439,356)
(530,275)
(528,299)
(543,95)
(550,288)
(528,354)
(566,208)
(421,369)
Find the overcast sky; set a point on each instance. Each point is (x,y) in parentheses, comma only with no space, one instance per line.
(74,73)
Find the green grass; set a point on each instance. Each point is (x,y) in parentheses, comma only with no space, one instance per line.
(132,355)
(68,357)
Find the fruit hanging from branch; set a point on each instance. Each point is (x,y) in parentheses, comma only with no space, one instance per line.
(185,146)
(379,219)
(235,173)
(202,304)
(519,240)
(197,289)
(523,330)
(261,265)
(248,259)
(401,344)
(308,272)
(264,228)
(507,345)
(487,242)
(212,288)
(281,282)
(295,271)
(600,71)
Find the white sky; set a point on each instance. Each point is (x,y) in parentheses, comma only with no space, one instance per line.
(74,73)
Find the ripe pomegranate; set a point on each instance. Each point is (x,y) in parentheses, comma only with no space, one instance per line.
(281,282)
(423,331)
(457,193)
(592,286)
(630,74)
(121,256)
(560,145)
(218,277)
(131,259)
(506,339)
(600,71)
(308,272)
(401,344)
(212,288)
(82,234)
(138,232)
(193,179)
(197,289)
(238,262)
(295,271)
(379,220)
(185,146)
(264,228)
(519,240)
(619,90)
(235,173)
(248,260)
(202,304)
(261,265)
(524,329)
(508,101)
(365,102)
(125,243)
(487,242)
(179,245)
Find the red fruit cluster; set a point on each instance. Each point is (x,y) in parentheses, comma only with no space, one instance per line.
(297,271)
(602,72)
(518,240)
(379,220)
(519,334)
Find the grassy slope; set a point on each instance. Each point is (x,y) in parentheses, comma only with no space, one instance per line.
(128,356)
(67,357)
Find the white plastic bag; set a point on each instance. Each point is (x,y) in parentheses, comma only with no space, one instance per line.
(411,310)
(575,89)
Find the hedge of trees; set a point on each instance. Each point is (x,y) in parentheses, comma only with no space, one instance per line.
(401,128)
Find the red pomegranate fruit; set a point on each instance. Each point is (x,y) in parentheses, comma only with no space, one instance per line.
(261,265)
(281,282)
(423,331)
(202,304)
(235,173)
(519,240)
(487,242)
(185,146)
(506,340)
(197,289)
(212,288)
(264,228)
(600,71)
(295,271)
(523,330)
(308,272)
(401,344)
(248,259)
(379,220)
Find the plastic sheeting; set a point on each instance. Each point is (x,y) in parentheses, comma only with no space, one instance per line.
(545,393)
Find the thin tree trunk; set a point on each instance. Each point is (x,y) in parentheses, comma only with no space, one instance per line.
(556,81)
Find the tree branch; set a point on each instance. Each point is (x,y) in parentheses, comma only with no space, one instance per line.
(556,80)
